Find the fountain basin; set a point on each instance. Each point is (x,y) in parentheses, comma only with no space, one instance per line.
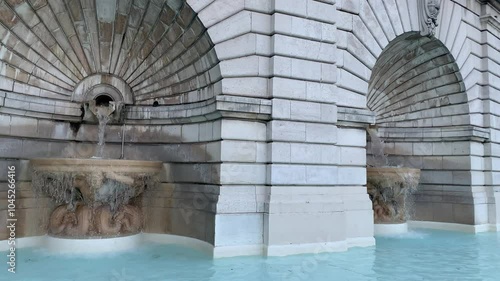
(389,189)
(94,164)
(392,174)
(384,229)
(94,198)
(55,176)
(92,246)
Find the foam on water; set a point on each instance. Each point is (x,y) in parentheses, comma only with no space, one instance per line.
(418,255)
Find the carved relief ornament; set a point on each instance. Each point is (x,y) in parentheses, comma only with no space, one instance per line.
(428,11)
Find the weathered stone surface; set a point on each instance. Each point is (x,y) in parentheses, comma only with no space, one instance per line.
(259,109)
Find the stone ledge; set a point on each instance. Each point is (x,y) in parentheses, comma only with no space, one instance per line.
(214,251)
(26,105)
(355,117)
(243,104)
(215,108)
(442,197)
(239,250)
(451,133)
(491,19)
(174,112)
(454,226)
(41,115)
(390,229)
(106,245)
(494,3)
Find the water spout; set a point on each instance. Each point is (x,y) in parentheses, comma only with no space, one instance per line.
(122,155)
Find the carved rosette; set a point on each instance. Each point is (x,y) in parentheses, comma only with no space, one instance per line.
(428,11)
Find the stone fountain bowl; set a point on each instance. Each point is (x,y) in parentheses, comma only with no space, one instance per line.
(90,180)
(390,175)
(389,188)
(93,164)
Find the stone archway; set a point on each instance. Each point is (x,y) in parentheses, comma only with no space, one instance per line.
(416,83)
(422,114)
(55,55)
(369,29)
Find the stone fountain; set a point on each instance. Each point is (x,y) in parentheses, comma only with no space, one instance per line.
(390,190)
(95,198)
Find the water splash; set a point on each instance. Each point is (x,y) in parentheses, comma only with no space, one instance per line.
(114,193)
(391,191)
(95,187)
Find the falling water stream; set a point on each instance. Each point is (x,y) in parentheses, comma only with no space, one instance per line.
(377,149)
(102,114)
(390,193)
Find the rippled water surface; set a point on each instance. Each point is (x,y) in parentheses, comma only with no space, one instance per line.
(418,255)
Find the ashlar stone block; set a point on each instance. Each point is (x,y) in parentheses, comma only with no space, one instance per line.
(243,130)
(281,174)
(287,131)
(321,133)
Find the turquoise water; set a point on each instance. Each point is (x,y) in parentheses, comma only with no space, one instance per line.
(418,255)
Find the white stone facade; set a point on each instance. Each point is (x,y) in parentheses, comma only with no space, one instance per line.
(263,109)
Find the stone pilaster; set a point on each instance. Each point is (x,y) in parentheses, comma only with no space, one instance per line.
(315,194)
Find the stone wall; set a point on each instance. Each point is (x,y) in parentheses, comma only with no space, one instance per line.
(422,110)
(366,28)
(485,88)
(261,116)
(32,210)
